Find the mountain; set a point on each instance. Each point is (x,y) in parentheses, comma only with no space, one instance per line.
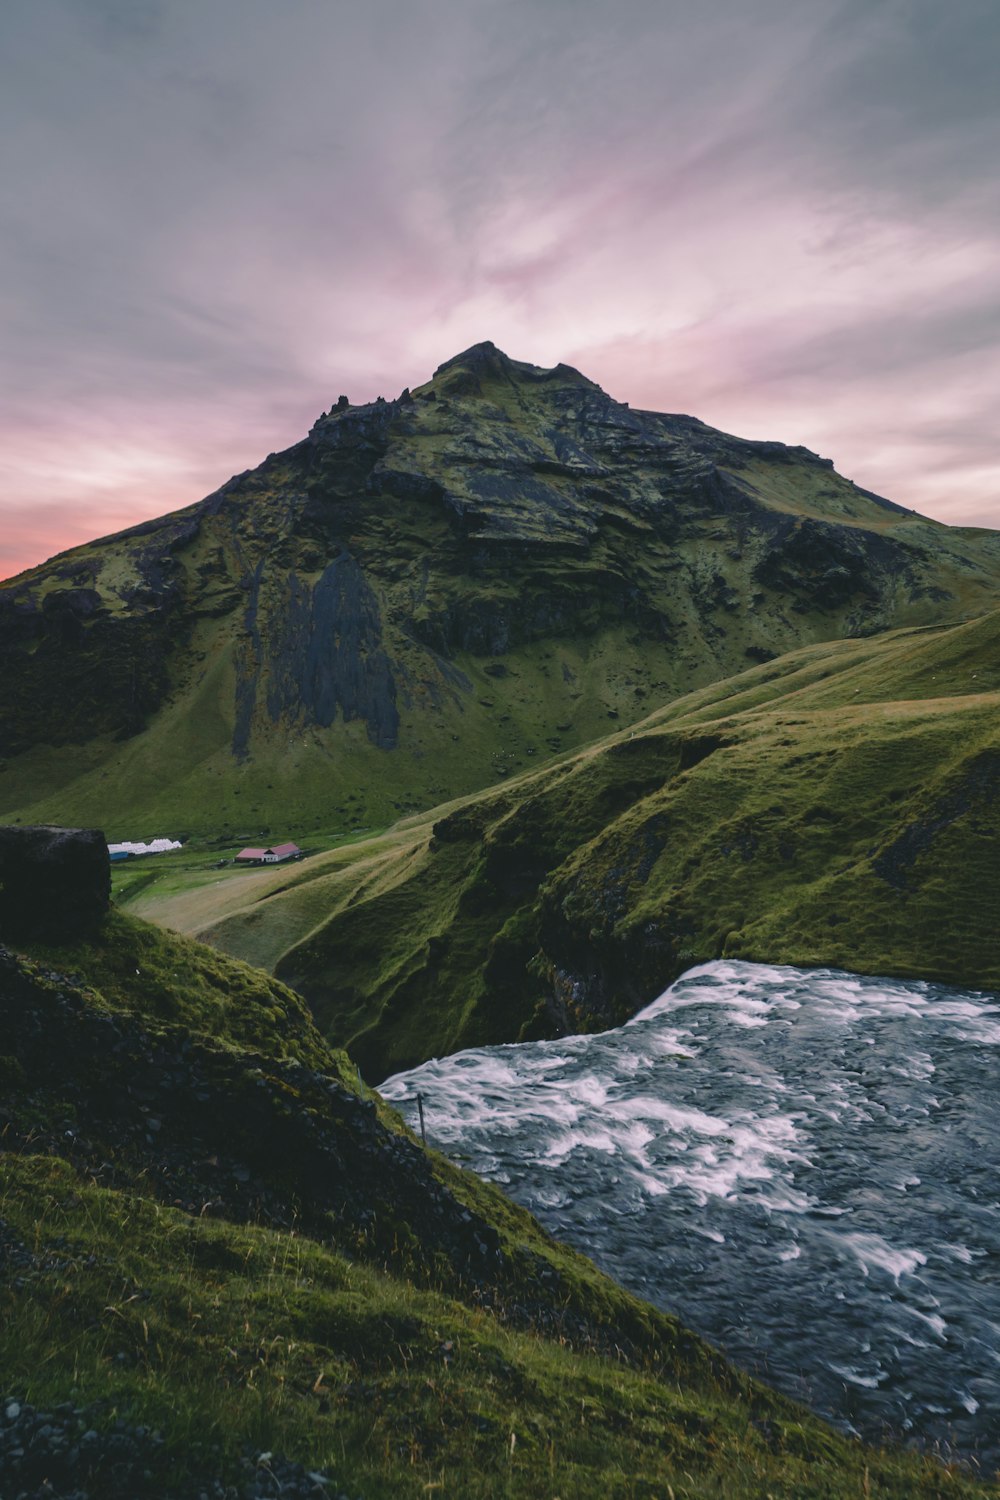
(837,806)
(227,1269)
(429,594)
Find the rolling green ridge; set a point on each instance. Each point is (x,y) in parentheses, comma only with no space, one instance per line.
(837,806)
(430,594)
(210,1228)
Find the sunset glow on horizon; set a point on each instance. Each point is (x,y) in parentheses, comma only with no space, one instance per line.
(218,219)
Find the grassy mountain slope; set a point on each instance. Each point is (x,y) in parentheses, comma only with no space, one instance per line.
(210,1229)
(840,805)
(429,594)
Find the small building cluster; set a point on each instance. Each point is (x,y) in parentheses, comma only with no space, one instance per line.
(127,849)
(272,856)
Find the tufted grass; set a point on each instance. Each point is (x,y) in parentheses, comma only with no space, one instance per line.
(222,1336)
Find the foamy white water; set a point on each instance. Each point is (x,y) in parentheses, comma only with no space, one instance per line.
(801,1164)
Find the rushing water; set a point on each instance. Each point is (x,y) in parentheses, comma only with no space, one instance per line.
(802,1165)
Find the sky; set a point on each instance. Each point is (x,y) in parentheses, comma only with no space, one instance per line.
(780,216)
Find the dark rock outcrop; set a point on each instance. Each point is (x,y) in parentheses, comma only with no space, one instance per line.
(55,883)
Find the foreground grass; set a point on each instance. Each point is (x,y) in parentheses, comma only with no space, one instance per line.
(225,1335)
(209,1227)
(141,969)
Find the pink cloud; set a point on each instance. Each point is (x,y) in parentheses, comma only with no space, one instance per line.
(224,222)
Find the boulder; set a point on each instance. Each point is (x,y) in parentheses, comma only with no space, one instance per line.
(55,883)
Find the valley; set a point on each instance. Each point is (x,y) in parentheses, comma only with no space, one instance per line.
(837,806)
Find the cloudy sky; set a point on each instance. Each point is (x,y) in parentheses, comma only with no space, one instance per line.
(781,216)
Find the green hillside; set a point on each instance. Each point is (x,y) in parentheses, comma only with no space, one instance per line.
(839,805)
(220,1256)
(430,594)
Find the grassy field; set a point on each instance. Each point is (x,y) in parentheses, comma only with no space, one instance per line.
(237,1335)
(207,868)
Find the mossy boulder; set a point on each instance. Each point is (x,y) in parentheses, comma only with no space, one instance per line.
(55,883)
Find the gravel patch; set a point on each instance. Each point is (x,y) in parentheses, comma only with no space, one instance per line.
(64,1453)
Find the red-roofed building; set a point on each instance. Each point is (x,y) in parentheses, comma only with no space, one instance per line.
(279,852)
(272,856)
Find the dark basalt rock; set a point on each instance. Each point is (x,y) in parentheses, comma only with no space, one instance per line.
(71,670)
(55,883)
(828,564)
(321,656)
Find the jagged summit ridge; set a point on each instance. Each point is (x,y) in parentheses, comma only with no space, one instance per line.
(484,370)
(483,355)
(486,358)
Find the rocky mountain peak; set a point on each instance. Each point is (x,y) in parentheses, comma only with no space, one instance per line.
(478,356)
(484,364)
(482,571)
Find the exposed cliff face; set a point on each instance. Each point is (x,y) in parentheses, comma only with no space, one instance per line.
(426,591)
(322,656)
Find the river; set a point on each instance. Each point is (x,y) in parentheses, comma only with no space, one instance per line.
(800,1164)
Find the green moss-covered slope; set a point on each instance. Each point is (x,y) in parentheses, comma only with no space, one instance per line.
(840,805)
(211,1232)
(429,594)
